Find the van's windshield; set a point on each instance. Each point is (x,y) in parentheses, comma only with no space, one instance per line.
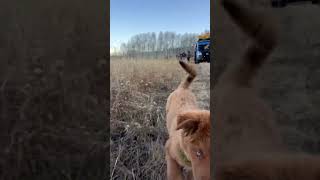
(204,47)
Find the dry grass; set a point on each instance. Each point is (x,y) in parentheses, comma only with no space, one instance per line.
(139,89)
(52,126)
(53,91)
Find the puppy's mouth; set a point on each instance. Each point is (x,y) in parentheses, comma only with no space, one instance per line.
(184,158)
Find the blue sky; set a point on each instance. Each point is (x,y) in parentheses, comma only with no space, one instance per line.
(130,17)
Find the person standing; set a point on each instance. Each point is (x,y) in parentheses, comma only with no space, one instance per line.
(188,56)
(183,55)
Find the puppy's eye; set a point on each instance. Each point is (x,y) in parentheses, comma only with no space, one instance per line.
(199,154)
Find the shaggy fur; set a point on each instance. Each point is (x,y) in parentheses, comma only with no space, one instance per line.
(248,143)
(245,123)
(188,145)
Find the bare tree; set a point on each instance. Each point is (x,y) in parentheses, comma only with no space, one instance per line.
(164,45)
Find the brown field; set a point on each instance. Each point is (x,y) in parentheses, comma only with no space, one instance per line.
(139,89)
(53,90)
(53,127)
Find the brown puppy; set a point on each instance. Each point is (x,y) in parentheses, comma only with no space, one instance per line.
(244,122)
(188,145)
(248,144)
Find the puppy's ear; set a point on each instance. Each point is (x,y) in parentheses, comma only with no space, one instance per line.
(188,122)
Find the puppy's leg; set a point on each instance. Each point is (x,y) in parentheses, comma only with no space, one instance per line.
(189,175)
(174,171)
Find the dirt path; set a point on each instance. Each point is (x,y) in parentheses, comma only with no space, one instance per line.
(201,85)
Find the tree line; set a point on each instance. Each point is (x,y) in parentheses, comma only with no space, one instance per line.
(158,45)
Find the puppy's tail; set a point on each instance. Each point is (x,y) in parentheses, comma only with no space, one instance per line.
(192,74)
(263,34)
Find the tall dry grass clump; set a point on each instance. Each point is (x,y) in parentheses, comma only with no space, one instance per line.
(139,89)
(53,90)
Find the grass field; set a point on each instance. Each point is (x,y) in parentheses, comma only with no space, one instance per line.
(139,89)
(53,126)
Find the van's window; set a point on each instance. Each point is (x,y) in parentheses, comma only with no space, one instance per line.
(204,47)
